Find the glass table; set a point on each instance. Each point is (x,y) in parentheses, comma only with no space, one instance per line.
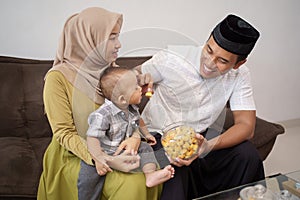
(284,185)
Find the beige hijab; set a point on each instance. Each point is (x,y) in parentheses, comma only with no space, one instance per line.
(81,51)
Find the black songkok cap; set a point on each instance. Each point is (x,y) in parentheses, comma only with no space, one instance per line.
(235,35)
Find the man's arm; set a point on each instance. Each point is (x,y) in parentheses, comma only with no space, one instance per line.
(143,79)
(138,69)
(243,129)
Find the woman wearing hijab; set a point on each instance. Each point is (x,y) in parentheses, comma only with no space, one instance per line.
(89,44)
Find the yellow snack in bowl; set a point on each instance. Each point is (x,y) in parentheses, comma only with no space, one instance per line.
(180,142)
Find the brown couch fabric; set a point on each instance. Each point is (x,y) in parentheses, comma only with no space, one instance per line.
(24,129)
(264,136)
(25,132)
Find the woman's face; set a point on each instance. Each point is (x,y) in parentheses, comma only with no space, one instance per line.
(113,45)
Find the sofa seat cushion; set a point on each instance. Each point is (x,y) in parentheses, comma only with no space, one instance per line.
(21,168)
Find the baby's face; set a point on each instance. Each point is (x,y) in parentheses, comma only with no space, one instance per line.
(131,90)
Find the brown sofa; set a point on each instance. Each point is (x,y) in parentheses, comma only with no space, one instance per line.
(25,132)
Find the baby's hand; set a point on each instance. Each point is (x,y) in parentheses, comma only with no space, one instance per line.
(150,139)
(102,168)
(129,145)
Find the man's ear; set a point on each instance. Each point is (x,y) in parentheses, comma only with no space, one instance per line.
(237,65)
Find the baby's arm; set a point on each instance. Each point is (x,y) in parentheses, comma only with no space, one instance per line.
(100,158)
(145,133)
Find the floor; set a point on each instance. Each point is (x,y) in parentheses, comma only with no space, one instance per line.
(284,157)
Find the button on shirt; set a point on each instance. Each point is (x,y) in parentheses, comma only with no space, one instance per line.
(182,97)
(111,125)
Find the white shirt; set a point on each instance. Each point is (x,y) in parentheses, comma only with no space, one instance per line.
(182,97)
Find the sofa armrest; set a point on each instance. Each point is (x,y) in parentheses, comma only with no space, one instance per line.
(264,135)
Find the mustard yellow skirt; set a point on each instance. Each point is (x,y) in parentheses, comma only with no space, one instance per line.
(60,175)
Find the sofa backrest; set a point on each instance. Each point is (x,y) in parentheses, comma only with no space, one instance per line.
(131,62)
(21,95)
(21,102)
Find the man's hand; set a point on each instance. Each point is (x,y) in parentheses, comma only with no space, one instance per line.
(202,143)
(143,79)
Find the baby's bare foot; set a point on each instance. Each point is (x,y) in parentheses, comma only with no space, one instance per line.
(159,176)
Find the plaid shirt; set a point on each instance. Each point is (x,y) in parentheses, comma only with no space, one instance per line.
(111,125)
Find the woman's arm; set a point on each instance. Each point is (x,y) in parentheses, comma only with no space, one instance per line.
(58,107)
(98,155)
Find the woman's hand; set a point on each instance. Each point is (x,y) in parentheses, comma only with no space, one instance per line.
(129,145)
(124,162)
(203,147)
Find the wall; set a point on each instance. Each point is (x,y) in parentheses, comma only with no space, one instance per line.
(31,29)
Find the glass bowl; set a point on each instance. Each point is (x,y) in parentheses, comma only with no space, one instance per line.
(180,142)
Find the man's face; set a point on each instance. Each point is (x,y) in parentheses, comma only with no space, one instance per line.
(216,61)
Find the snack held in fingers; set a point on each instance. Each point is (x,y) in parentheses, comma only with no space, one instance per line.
(147,91)
(180,142)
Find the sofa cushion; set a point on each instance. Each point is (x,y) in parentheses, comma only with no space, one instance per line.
(36,120)
(21,102)
(39,146)
(24,129)
(266,131)
(18,168)
(11,101)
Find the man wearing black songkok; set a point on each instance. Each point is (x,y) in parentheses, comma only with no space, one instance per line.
(194,91)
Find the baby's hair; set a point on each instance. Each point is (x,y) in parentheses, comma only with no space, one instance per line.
(109,80)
